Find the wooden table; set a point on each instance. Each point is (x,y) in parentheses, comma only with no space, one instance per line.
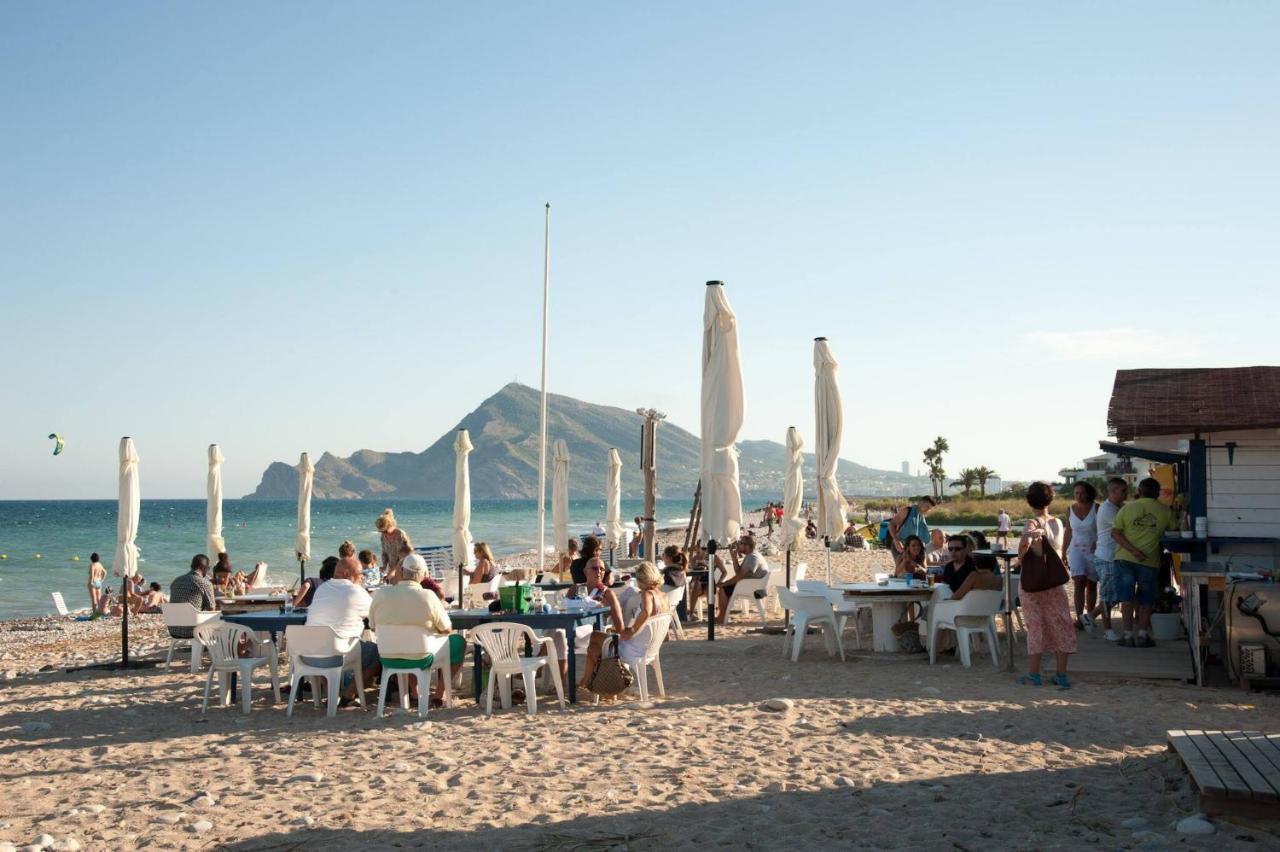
(888,603)
(1236,772)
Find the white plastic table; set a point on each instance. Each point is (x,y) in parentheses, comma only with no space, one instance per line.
(888,603)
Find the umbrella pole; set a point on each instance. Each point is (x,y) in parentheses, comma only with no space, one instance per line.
(124,626)
(302,573)
(827,541)
(711,590)
(786,613)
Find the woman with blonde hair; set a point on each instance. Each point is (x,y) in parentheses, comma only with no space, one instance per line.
(636,609)
(395,545)
(485,570)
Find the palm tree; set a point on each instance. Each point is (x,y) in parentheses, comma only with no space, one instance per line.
(933,460)
(984,473)
(968,478)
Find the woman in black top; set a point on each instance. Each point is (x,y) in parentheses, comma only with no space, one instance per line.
(578,567)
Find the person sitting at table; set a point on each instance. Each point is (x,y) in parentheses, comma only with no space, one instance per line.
(936,552)
(347,560)
(484,570)
(369,568)
(578,567)
(752,566)
(698,586)
(342,604)
(627,616)
(955,572)
(193,588)
(979,539)
(409,603)
(983,577)
(307,592)
(910,563)
(566,560)
(675,576)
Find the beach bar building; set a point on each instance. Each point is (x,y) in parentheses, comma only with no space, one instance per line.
(1220,427)
(1220,430)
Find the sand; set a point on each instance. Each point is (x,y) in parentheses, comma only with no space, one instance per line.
(876,752)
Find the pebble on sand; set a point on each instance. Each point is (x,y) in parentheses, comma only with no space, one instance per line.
(66,844)
(778,705)
(170,818)
(44,841)
(1136,823)
(1196,825)
(201,826)
(313,777)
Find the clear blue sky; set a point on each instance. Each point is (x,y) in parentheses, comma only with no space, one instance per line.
(316,226)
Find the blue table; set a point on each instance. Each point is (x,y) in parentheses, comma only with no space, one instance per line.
(266,621)
(566,621)
(276,622)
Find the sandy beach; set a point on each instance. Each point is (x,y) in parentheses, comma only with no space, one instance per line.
(876,752)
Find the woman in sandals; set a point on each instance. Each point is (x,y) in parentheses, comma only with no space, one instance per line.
(628,615)
(1048,617)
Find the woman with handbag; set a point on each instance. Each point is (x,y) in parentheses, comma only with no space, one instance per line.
(1044,603)
(627,638)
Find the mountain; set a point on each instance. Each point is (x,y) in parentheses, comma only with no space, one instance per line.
(504,463)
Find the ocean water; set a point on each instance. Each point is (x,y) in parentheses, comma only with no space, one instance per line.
(45,545)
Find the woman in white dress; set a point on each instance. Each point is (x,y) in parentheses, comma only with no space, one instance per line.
(1081,538)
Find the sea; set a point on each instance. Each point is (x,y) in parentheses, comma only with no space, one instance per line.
(45,545)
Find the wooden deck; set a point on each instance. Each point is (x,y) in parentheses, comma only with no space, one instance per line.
(1235,772)
(1166,661)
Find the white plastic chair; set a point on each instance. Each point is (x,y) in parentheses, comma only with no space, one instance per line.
(657,627)
(745,593)
(674,595)
(59,604)
(974,614)
(417,643)
(186,615)
(806,610)
(503,641)
(315,651)
(224,641)
(841,607)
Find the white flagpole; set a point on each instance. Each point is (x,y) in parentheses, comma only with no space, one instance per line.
(542,444)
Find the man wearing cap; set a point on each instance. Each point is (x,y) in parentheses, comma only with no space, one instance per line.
(408,604)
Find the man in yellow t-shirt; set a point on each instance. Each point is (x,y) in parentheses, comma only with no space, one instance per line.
(1136,530)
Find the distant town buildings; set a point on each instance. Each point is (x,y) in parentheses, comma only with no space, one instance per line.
(906,468)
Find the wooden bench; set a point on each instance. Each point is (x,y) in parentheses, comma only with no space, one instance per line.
(1235,772)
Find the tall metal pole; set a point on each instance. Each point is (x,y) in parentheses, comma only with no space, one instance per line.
(542,442)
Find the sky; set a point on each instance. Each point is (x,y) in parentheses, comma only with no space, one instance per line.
(285,227)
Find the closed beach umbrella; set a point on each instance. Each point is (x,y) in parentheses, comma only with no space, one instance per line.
(560,493)
(302,545)
(723,407)
(829,426)
(462,505)
(126,560)
(793,490)
(613,529)
(125,563)
(792,497)
(213,511)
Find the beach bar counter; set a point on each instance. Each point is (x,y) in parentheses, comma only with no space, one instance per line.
(1219,429)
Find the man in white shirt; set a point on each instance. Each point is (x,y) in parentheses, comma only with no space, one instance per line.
(1002,529)
(752,566)
(342,603)
(1104,553)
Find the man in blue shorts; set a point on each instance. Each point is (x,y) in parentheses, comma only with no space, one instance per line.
(1137,530)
